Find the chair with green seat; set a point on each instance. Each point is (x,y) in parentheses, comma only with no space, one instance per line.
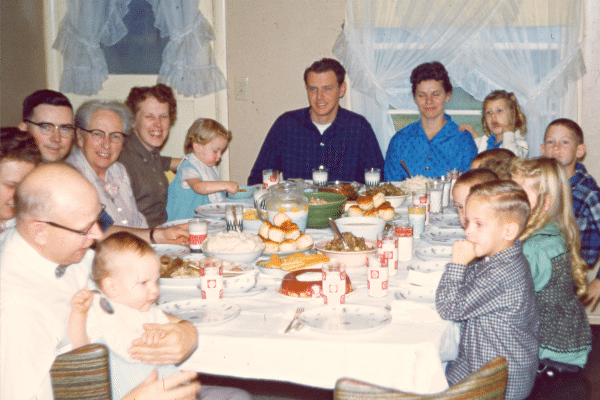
(82,374)
(489,383)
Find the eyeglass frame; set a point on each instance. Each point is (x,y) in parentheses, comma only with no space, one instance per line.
(82,233)
(54,128)
(98,140)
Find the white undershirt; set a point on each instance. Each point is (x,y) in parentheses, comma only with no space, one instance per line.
(322,128)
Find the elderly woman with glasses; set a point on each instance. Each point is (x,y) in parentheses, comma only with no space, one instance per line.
(101,130)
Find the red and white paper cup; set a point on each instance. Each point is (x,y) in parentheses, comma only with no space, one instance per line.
(377,276)
(334,283)
(211,280)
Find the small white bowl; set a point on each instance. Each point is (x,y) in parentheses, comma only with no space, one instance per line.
(239,283)
(243,258)
(396,201)
(365,227)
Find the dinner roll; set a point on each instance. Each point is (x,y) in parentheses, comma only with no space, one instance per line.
(371,213)
(291,231)
(386,212)
(355,211)
(276,234)
(378,199)
(280,218)
(263,231)
(271,246)
(304,241)
(365,202)
(288,245)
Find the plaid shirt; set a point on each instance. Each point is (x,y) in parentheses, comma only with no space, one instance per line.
(295,146)
(586,205)
(494,300)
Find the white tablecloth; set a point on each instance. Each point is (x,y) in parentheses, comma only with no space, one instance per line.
(408,354)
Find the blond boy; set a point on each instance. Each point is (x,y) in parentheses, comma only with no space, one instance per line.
(488,288)
(463,185)
(563,141)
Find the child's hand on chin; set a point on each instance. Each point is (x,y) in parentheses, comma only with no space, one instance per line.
(463,252)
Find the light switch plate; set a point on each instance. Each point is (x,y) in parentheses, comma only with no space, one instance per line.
(241,88)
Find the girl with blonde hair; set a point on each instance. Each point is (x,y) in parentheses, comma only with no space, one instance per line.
(551,245)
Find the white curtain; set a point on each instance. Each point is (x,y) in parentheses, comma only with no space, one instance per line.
(188,64)
(528,47)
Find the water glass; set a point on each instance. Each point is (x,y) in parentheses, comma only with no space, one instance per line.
(198,230)
(404,235)
(334,283)
(372,176)
(416,218)
(377,276)
(320,176)
(211,280)
(387,246)
(234,221)
(421,197)
(436,194)
(270,177)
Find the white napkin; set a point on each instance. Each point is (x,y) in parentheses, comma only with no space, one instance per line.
(409,310)
(424,278)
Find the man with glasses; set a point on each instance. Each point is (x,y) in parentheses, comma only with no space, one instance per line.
(48,116)
(45,261)
(101,130)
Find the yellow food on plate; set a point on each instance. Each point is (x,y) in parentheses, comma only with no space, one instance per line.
(296,261)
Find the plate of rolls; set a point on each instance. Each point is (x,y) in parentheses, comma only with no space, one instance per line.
(283,237)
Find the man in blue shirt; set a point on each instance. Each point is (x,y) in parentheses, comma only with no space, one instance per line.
(322,134)
(433,144)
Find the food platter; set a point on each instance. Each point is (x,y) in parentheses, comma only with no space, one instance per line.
(345,319)
(202,312)
(288,253)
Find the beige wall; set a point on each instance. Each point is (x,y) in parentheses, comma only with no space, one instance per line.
(271,42)
(22,65)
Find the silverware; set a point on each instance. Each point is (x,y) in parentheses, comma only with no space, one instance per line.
(336,232)
(104,303)
(405,168)
(299,311)
(235,221)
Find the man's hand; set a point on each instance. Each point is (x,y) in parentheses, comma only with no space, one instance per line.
(82,301)
(593,294)
(177,342)
(175,387)
(463,252)
(177,234)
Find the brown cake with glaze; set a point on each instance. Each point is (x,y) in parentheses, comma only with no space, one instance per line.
(291,286)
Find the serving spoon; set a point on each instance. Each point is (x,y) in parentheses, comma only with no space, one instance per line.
(336,231)
(104,302)
(405,168)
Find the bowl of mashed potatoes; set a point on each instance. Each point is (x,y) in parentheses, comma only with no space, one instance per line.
(233,246)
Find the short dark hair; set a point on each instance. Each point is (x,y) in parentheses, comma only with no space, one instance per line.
(324,65)
(161,92)
(44,96)
(570,125)
(18,145)
(428,71)
(476,176)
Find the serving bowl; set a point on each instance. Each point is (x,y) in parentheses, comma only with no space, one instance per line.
(239,283)
(365,227)
(319,214)
(396,201)
(352,259)
(245,192)
(243,258)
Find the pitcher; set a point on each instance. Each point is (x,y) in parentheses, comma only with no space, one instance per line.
(286,197)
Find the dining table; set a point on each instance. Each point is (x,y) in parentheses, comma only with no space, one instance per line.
(406,349)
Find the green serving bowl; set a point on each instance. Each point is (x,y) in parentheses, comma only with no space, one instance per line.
(319,214)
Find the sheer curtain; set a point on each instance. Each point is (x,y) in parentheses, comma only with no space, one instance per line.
(528,47)
(188,64)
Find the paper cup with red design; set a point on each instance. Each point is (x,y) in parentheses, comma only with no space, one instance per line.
(377,275)
(270,177)
(334,283)
(211,280)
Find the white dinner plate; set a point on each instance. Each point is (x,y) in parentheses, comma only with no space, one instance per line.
(252,292)
(427,266)
(433,253)
(216,210)
(171,250)
(345,319)
(202,312)
(423,294)
(214,225)
(445,221)
(273,271)
(446,236)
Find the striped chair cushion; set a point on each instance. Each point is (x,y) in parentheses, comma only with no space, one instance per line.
(489,383)
(82,374)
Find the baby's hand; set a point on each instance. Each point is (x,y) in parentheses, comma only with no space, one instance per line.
(232,187)
(82,301)
(463,252)
(151,337)
(467,127)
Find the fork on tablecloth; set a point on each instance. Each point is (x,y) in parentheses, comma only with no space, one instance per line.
(299,311)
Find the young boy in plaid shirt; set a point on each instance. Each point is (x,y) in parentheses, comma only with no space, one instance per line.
(563,141)
(488,288)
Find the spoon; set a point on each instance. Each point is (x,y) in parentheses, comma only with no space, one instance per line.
(104,302)
(405,168)
(336,231)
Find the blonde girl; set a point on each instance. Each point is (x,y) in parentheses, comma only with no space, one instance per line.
(197,181)
(504,124)
(552,247)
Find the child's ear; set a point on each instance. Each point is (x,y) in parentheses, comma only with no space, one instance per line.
(109,287)
(511,231)
(196,147)
(580,152)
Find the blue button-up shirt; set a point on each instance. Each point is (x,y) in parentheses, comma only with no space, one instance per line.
(586,206)
(449,148)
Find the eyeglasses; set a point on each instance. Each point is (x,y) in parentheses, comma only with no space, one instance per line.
(66,131)
(98,136)
(82,233)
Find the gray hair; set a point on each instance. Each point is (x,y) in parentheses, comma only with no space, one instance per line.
(89,108)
